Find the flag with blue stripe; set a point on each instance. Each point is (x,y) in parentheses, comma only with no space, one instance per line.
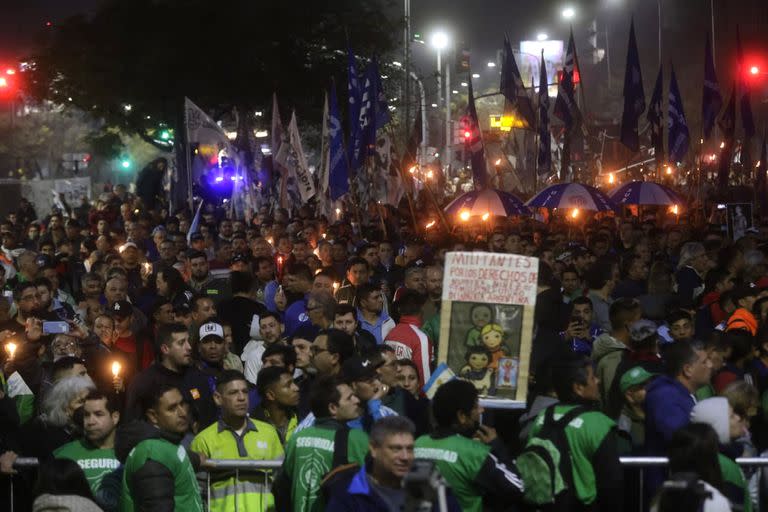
(679,136)
(475,143)
(355,97)
(655,116)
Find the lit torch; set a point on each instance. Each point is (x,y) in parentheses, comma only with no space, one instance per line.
(575,213)
(11,349)
(116,369)
(335,287)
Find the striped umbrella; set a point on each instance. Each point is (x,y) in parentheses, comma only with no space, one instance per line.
(571,195)
(644,192)
(487,201)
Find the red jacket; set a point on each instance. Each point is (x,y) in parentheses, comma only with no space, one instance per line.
(712,301)
(410,342)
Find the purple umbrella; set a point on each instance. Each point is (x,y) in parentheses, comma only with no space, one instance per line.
(571,195)
(488,201)
(644,193)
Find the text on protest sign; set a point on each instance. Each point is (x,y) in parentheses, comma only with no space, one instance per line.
(490,278)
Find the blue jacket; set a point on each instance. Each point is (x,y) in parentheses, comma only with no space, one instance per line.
(668,406)
(356,495)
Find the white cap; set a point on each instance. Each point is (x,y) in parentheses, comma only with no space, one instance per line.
(126,245)
(211,329)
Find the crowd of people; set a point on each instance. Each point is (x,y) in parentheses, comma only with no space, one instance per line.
(139,348)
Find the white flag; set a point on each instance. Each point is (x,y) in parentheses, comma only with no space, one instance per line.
(201,129)
(291,156)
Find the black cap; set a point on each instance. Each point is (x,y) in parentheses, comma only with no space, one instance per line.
(121,308)
(196,236)
(239,258)
(358,369)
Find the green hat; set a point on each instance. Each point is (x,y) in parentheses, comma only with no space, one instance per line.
(634,377)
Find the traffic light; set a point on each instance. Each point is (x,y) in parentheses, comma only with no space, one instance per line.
(7,82)
(125,163)
(465,129)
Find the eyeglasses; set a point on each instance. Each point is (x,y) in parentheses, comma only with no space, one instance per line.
(317,350)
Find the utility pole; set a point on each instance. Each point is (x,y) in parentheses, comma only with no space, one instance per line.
(407,65)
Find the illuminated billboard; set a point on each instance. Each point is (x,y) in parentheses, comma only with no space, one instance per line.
(528,60)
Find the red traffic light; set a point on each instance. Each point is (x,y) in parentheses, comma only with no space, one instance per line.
(467,134)
(754,70)
(3,82)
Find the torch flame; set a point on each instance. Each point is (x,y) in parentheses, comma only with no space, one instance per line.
(674,209)
(575,213)
(486,216)
(116,368)
(429,224)
(464,215)
(335,286)
(611,179)
(11,349)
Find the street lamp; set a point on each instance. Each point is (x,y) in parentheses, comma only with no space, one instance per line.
(541,36)
(568,13)
(441,41)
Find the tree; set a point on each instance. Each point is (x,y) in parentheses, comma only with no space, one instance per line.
(132,63)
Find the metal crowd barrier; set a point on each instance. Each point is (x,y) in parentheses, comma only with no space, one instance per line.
(265,466)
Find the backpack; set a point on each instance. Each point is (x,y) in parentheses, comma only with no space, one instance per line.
(545,464)
(340,468)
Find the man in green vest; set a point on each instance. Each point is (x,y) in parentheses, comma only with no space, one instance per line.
(477,471)
(158,472)
(95,454)
(313,452)
(236,436)
(596,473)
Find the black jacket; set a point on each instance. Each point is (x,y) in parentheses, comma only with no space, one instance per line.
(193,384)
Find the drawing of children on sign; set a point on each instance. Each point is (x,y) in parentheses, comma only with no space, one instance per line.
(480,315)
(480,336)
(477,371)
(492,337)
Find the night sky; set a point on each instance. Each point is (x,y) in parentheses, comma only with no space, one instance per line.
(481,24)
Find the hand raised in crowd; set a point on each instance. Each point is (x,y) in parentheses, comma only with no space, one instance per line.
(280,299)
(77,330)
(577,329)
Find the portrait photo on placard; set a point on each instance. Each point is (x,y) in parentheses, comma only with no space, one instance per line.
(484,346)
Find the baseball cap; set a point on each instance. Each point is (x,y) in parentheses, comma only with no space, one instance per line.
(196,236)
(158,229)
(564,256)
(642,329)
(356,369)
(127,245)
(43,260)
(211,329)
(239,258)
(121,308)
(634,377)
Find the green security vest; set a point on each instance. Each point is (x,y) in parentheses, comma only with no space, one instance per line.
(308,458)
(585,434)
(173,457)
(459,460)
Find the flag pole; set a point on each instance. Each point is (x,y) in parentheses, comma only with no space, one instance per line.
(185,147)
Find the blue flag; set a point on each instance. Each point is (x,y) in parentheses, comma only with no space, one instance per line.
(679,137)
(745,104)
(634,95)
(355,97)
(711,100)
(565,104)
(727,125)
(545,138)
(655,116)
(511,86)
(338,174)
(475,143)
(374,114)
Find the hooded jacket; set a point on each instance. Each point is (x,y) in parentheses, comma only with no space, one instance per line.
(606,353)
(64,503)
(158,473)
(668,406)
